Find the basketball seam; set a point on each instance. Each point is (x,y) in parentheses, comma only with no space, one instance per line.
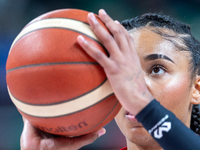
(54,63)
(48,111)
(63,28)
(28,26)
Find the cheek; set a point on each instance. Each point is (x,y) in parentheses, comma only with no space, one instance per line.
(174,94)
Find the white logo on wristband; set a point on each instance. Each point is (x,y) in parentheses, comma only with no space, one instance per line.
(158,133)
(160,127)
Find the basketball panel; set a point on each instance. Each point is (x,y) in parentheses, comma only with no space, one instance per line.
(49,46)
(54,83)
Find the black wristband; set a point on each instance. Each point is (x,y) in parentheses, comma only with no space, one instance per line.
(167,129)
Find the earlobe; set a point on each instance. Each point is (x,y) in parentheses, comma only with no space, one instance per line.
(196,91)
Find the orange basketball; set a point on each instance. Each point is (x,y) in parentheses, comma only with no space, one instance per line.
(52,81)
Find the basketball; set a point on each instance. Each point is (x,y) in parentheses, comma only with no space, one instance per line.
(53,82)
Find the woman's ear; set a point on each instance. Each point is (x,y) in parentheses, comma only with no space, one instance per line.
(196,91)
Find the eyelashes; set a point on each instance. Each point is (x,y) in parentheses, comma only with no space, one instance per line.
(157,70)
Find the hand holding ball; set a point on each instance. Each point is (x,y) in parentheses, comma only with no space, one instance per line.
(51,80)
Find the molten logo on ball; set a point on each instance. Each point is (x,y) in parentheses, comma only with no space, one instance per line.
(64,129)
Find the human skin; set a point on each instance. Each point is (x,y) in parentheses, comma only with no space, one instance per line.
(35,139)
(168,81)
(134,88)
(136,79)
(127,80)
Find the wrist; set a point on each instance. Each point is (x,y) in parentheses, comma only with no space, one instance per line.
(141,103)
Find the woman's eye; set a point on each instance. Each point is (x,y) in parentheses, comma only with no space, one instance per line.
(158,70)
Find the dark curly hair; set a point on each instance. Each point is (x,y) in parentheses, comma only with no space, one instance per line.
(182,33)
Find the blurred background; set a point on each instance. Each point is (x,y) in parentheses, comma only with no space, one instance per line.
(15,14)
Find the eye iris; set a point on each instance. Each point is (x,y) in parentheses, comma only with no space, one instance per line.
(156,70)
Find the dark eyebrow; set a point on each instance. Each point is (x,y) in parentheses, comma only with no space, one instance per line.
(157,56)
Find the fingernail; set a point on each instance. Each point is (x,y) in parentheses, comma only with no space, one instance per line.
(103,11)
(101,132)
(117,21)
(81,38)
(93,18)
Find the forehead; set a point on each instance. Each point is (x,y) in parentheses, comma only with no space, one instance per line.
(148,42)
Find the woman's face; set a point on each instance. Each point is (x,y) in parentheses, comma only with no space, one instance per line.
(167,76)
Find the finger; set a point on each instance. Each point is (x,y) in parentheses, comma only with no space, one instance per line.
(117,30)
(95,53)
(88,139)
(77,142)
(28,133)
(28,129)
(129,38)
(131,44)
(104,36)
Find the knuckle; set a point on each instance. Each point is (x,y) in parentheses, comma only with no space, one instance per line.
(129,37)
(107,39)
(96,28)
(87,45)
(98,55)
(117,31)
(115,70)
(47,145)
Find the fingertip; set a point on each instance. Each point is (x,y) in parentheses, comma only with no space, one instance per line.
(117,22)
(101,132)
(102,11)
(91,18)
(80,38)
